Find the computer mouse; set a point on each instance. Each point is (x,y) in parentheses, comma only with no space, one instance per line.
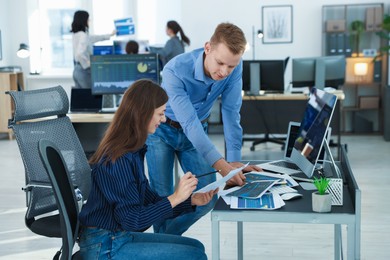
(291,195)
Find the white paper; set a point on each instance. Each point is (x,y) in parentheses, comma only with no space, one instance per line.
(222,181)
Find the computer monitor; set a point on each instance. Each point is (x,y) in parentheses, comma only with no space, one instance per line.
(330,71)
(265,75)
(313,129)
(113,74)
(103,50)
(303,72)
(319,72)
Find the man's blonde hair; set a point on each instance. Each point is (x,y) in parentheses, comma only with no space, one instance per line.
(231,35)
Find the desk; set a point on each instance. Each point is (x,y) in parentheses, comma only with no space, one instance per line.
(299,211)
(90,128)
(271,113)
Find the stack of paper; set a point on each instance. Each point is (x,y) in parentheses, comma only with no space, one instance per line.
(255,196)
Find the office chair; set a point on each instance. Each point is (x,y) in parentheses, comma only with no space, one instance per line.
(42,114)
(64,194)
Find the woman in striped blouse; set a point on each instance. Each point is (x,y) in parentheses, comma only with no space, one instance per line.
(121,204)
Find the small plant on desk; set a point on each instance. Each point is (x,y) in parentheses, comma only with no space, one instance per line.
(321,184)
(321,199)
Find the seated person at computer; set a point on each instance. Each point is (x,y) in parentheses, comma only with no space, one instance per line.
(132,47)
(121,204)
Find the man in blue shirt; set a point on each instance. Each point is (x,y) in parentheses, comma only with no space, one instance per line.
(193,82)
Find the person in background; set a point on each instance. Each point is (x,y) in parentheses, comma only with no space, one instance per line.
(175,45)
(121,204)
(132,47)
(82,48)
(194,81)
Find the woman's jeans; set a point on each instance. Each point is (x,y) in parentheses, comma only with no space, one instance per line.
(82,77)
(96,243)
(166,143)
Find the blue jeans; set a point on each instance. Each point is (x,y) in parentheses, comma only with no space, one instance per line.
(82,77)
(163,145)
(96,243)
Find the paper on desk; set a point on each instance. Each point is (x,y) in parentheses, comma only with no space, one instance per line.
(268,201)
(222,181)
(253,176)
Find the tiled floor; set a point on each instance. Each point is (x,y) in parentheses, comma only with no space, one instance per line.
(369,157)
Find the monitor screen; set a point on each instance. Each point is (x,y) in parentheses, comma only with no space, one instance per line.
(312,132)
(113,74)
(330,71)
(103,50)
(303,72)
(266,75)
(319,72)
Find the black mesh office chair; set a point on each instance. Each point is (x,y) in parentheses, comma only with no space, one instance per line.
(42,114)
(64,194)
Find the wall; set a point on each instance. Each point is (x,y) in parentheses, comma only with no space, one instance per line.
(198,19)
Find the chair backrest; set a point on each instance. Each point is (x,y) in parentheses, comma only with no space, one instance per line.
(42,114)
(54,164)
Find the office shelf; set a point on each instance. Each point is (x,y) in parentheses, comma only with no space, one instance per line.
(351,30)
(8,81)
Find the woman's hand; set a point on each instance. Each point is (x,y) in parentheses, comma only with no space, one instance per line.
(184,190)
(200,199)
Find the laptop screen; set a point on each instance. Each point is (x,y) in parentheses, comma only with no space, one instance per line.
(82,100)
(292,134)
(312,132)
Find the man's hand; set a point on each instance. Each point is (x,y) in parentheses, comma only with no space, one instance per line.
(249,168)
(200,199)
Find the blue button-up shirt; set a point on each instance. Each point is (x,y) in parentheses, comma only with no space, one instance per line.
(191,96)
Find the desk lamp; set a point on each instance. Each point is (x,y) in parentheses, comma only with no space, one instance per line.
(360,70)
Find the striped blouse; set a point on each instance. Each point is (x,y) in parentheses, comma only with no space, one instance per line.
(122,199)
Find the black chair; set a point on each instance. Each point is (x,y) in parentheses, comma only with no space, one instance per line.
(42,114)
(64,195)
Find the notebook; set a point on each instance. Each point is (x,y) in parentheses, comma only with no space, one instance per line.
(82,100)
(285,165)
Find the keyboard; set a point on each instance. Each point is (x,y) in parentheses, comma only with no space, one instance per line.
(286,164)
(281,189)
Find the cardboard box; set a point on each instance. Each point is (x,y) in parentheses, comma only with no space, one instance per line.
(368,102)
(335,26)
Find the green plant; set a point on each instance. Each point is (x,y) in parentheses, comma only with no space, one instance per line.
(321,184)
(385,34)
(356,29)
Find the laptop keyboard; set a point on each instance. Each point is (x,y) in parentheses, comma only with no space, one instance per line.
(286,164)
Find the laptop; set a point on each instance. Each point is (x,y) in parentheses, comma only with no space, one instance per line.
(285,165)
(82,100)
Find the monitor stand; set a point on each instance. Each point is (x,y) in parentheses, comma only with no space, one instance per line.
(111,103)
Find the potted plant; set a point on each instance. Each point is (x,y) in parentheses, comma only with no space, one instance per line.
(356,29)
(321,199)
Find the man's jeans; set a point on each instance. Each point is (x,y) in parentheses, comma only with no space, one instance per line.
(163,145)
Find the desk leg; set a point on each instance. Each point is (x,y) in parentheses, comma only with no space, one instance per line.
(351,242)
(240,241)
(338,246)
(215,237)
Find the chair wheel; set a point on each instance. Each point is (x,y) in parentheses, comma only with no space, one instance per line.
(252,148)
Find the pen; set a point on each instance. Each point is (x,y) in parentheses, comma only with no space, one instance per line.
(205,174)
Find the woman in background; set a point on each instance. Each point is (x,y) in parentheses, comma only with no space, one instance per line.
(174,46)
(121,204)
(82,48)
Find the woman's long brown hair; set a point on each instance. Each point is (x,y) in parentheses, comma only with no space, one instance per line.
(129,128)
